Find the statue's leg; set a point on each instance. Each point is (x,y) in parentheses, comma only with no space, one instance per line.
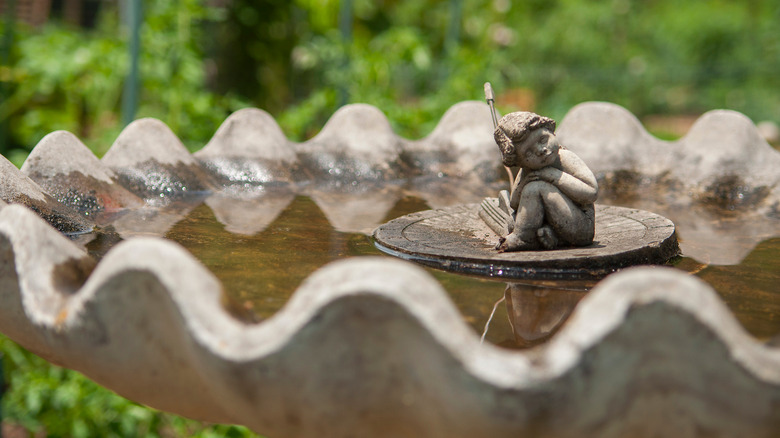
(570,223)
(529,218)
(545,217)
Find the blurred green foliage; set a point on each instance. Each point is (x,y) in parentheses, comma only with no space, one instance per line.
(59,77)
(52,401)
(413,59)
(658,57)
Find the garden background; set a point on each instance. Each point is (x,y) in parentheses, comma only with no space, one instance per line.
(196,62)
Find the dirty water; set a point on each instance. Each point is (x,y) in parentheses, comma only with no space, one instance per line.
(260,272)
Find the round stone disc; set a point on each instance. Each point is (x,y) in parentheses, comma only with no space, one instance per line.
(457,239)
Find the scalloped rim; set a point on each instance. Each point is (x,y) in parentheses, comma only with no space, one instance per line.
(72,329)
(213,342)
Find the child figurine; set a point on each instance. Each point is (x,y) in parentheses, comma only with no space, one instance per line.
(553,195)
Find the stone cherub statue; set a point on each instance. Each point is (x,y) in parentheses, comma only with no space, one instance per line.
(552,197)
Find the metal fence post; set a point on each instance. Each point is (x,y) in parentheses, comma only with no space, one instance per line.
(452,38)
(132,82)
(345,26)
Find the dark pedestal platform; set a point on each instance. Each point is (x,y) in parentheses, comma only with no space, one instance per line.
(457,239)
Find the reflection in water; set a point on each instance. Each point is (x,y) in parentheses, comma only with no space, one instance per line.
(707,234)
(249,211)
(751,288)
(359,210)
(536,312)
(442,192)
(151,221)
(261,248)
(259,273)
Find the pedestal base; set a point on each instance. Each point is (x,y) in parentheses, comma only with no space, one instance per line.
(457,239)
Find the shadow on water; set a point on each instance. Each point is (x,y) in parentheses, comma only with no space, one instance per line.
(260,272)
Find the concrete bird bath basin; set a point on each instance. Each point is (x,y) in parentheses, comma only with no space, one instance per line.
(373,346)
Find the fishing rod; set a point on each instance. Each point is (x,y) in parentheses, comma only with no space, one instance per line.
(491,99)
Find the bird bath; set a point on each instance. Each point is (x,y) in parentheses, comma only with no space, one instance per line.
(374,346)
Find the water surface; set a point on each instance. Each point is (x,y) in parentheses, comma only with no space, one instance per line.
(259,273)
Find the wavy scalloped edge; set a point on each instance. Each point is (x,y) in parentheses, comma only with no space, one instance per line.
(377,344)
(722,160)
(723,151)
(248,150)
(608,137)
(722,146)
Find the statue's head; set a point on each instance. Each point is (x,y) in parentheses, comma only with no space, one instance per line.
(526,139)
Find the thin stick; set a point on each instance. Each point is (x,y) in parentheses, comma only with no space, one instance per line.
(491,99)
(487,324)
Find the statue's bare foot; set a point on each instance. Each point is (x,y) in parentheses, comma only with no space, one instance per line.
(547,237)
(513,243)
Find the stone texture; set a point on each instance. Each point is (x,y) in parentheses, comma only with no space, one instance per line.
(48,266)
(66,169)
(681,180)
(16,184)
(249,148)
(458,239)
(461,145)
(608,137)
(356,144)
(376,345)
(721,168)
(373,347)
(16,188)
(723,144)
(62,152)
(723,161)
(150,161)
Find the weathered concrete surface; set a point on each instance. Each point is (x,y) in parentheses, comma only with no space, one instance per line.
(373,347)
(65,168)
(15,184)
(56,311)
(17,188)
(722,168)
(718,183)
(356,144)
(150,161)
(461,145)
(722,161)
(249,148)
(458,239)
(39,259)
